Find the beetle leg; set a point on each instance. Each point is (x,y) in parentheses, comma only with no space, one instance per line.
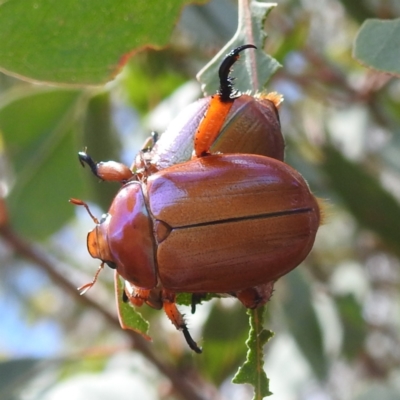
(256,296)
(143,166)
(106,171)
(150,142)
(84,288)
(196,299)
(177,320)
(211,124)
(86,159)
(78,202)
(219,105)
(153,298)
(130,294)
(138,296)
(125,297)
(226,82)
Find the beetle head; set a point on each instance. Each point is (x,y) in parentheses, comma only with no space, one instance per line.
(122,239)
(97,243)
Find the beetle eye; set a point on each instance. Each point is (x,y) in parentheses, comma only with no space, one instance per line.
(111,264)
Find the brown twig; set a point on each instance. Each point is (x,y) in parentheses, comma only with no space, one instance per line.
(181,384)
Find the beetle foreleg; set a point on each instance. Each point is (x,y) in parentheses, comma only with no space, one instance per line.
(106,171)
(177,319)
(84,288)
(86,159)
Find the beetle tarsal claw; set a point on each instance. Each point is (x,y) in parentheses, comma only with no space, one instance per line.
(177,320)
(84,158)
(189,340)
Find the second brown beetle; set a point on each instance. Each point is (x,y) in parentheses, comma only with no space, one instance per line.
(248,124)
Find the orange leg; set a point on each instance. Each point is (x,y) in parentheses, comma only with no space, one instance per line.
(177,319)
(211,125)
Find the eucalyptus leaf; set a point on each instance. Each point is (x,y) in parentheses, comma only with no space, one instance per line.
(354,325)
(255,67)
(102,143)
(42,148)
(358,10)
(377,45)
(372,205)
(15,374)
(224,333)
(303,322)
(80,42)
(129,318)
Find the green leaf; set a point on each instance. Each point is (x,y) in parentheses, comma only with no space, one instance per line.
(15,374)
(252,371)
(353,323)
(255,67)
(357,10)
(292,41)
(303,322)
(129,318)
(42,148)
(186,298)
(377,45)
(103,144)
(151,77)
(373,206)
(375,390)
(80,42)
(224,333)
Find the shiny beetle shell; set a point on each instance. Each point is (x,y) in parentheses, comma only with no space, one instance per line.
(218,224)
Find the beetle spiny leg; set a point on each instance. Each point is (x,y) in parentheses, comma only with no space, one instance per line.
(177,320)
(84,288)
(189,340)
(226,82)
(84,158)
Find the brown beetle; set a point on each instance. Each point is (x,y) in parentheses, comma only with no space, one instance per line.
(218,224)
